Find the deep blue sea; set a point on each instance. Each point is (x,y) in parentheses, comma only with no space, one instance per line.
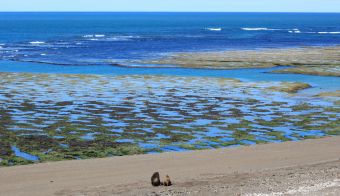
(104,38)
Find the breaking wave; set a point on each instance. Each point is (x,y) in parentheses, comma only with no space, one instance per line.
(96,35)
(214,29)
(122,38)
(36,42)
(294,31)
(269,29)
(255,29)
(320,32)
(331,32)
(101,37)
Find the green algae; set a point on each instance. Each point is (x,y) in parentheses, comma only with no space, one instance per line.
(186,113)
(323,61)
(243,135)
(11,161)
(290,87)
(272,123)
(335,131)
(278,136)
(300,107)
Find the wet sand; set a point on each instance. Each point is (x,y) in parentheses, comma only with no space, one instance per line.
(305,167)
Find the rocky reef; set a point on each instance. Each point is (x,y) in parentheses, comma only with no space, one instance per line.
(50,117)
(307,60)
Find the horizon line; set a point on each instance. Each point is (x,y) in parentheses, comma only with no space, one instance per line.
(313,12)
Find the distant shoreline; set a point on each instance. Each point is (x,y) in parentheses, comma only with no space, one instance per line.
(200,12)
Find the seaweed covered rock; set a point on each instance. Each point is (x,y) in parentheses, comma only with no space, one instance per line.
(36,143)
(5,149)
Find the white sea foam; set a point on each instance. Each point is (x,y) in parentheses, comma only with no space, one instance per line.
(311,32)
(269,29)
(122,38)
(102,37)
(43,54)
(254,29)
(294,31)
(91,36)
(214,29)
(37,42)
(332,32)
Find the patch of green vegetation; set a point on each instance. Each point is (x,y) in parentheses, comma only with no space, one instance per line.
(304,122)
(332,109)
(64,103)
(230,143)
(276,103)
(187,146)
(274,122)
(252,101)
(13,160)
(335,131)
(5,148)
(300,107)
(330,126)
(260,110)
(245,124)
(243,135)
(278,135)
(236,112)
(31,143)
(27,106)
(310,137)
(261,142)
(295,87)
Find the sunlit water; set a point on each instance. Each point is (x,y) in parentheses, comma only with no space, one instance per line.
(104,38)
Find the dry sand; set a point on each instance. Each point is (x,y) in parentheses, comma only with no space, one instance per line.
(310,167)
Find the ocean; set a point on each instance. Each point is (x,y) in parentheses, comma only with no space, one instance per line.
(49,112)
(107,38)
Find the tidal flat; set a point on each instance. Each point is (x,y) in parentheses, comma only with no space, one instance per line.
(50,117)
(324,61)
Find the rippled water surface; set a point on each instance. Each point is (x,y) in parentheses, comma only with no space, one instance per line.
(105,38)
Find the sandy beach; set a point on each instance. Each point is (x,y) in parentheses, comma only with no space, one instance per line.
(292,168)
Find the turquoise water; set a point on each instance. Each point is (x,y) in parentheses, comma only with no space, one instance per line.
(319,83)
